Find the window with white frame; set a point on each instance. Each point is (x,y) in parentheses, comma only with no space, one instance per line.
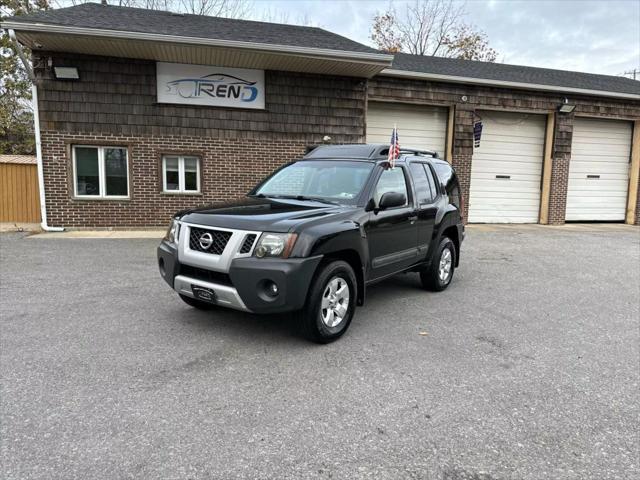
(100,172)
(180,174)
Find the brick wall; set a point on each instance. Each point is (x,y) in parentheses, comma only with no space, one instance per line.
(488,98)
(115,104)
(229,169)
(561,155)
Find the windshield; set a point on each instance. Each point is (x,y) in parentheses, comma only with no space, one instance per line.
(339,181)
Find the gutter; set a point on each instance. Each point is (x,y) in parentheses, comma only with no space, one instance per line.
(361,57)
(390,72)
(36,122)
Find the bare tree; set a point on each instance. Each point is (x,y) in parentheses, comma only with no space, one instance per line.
(216,8)
(279,16)
(431,27)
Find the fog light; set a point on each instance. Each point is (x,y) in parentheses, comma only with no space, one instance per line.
(272,289)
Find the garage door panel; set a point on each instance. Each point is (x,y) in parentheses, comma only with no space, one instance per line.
(497,168)
(516,192)
(598,168)
(618,153)
(419,126)
(514,154)
(600,149)
(512,145)
(514,203)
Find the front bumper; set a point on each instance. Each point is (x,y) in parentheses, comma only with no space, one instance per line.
(245,285)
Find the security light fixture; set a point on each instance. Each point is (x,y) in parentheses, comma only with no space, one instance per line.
(566,107)
(66,73)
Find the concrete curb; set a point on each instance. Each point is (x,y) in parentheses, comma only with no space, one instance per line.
(118,234)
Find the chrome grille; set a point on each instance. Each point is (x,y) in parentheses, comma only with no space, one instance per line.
(219,240)
(248,243)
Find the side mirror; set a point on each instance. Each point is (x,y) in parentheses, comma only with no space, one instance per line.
(392,199)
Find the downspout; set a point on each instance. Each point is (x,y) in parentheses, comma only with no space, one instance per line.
(36,131)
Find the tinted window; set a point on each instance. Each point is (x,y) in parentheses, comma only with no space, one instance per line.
(421,182)
(444,171)
(391,180)
(432,183)
(449,181)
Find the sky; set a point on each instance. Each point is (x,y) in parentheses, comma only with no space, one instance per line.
(596,36)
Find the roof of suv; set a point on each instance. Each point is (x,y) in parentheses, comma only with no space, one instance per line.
(373,152)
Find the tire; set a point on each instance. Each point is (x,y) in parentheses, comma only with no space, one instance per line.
(318,322)
(432,277)
(195,303)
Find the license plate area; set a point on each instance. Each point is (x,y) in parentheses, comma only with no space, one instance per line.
(203,293)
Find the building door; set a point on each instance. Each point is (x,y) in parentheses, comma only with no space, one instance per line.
(599,170)
(506,168)
(419,126)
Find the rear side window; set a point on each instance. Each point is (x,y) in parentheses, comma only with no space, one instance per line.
(444,171)
(421,181)
(449,181)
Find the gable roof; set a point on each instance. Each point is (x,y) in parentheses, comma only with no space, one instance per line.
(517,76)
(110,17)
(106,30)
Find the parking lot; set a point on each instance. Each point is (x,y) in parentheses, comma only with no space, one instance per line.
(525,368)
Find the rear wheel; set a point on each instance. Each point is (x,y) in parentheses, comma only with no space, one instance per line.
(195,303)
(437,276)
(331,303)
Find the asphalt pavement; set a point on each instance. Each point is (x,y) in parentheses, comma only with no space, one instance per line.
(527,367)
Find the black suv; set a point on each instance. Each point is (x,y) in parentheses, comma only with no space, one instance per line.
(315,233)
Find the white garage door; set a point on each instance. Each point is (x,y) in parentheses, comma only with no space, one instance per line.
(599,170)
(418,126)
(506,169)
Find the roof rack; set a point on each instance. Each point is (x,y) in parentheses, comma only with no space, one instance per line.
(415,151)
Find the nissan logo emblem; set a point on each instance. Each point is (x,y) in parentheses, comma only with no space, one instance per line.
(205,241)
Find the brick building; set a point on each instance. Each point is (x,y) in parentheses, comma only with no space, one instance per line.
(142,113)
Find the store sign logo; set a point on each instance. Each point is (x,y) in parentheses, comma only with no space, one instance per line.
(212,86)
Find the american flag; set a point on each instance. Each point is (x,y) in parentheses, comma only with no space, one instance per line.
(394,148)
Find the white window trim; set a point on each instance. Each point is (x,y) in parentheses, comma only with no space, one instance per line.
(181,171)
(102,180)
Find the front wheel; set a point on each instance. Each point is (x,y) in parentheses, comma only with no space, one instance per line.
(331,303)
(437,276)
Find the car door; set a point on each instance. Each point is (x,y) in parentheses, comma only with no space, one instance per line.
(392,233)
(426,208)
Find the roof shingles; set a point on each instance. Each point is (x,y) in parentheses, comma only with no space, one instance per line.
(109,17)
(513,73)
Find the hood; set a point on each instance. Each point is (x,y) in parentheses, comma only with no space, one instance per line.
(261,214)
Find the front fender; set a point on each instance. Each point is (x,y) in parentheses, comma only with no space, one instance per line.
(345,240)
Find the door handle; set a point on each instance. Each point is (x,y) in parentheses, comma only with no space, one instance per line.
(505,177)
(413,219)
(593,176)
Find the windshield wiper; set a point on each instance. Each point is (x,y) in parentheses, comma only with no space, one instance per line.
(298,197)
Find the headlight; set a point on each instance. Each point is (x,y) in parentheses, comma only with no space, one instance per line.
(173,232)
(275,245)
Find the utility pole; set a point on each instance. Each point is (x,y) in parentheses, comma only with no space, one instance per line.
(635,72)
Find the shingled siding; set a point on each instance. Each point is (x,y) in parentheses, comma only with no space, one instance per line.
(118,96)
(114,103)
(489,98)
